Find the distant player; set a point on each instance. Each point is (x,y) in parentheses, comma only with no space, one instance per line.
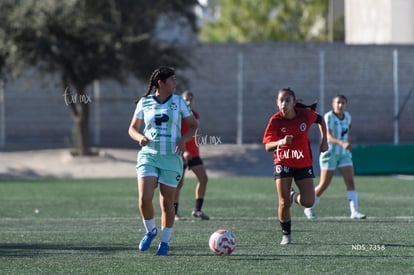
(339,156)
(193,161)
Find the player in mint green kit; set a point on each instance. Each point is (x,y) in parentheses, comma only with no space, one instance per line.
(159,161)
(338,123)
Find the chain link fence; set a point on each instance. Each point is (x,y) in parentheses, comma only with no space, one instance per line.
(235,87)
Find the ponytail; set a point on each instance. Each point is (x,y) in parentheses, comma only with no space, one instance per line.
(312,106)
(161,73)
(298,104)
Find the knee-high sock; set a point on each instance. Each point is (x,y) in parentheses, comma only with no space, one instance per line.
(166,234)
(317,199)
(353,200)
(149,224)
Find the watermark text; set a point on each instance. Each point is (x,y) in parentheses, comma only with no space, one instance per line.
(206,140)
(76,98)
(368,247)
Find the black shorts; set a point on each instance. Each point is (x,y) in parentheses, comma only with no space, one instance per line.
(282,171)
(193,162)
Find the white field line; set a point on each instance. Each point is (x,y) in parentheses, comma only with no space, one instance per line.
(405,177)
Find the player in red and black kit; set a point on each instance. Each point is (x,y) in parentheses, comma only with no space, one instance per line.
(286,135)
(193,161)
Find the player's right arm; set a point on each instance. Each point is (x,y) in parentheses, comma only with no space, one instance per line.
(333,139)
(134,133)
(273,145)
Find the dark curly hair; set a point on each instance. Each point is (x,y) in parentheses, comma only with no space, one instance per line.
(161,73)
(299,104)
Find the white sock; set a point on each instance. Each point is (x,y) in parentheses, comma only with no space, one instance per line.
(353,200)
(317,199)
(166,234)
(149,224)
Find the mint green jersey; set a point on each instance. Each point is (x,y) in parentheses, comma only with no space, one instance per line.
(162,122)
(339,129)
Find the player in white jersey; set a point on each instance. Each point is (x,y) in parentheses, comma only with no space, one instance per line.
(338,123)
(159,160)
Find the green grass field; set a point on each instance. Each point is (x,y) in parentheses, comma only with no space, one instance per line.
(93,227)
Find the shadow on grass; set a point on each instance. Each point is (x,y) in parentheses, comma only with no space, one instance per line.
(282,257)
(33,250)
(351,244)
(24,173)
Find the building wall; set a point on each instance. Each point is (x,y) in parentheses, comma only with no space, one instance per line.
(379,22)
(402,22)
(224,76)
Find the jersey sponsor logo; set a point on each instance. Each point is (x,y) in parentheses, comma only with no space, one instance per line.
(173,106)
(344,132)
(283,130)
(303,127)
(160,118)
(281,168)
(278,169)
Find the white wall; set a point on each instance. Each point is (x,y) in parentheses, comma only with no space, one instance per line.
(403,21)
(379,22)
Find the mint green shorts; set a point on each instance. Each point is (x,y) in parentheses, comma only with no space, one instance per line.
(329,161)
(167,168)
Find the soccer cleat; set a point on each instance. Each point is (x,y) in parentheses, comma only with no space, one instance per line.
(146,241)
(163,249)
(200,215)
(309,213)
(286,239)
(357,215)
(177,217)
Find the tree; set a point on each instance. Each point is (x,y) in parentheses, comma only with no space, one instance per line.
(4,45)
(267,20)
(87,40)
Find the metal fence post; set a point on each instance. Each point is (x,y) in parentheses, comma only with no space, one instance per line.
(2,116)
(97,112)
(396,95)
(322,81)
(240,99)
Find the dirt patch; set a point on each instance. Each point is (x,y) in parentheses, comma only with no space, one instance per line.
(220,160)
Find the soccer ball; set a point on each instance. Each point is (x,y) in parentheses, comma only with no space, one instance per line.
(222,242)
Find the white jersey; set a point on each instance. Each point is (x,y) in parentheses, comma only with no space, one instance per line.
(339,129)
(162,122)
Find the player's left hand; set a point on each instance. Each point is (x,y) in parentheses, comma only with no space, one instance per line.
(347,145)
(187,156)
(180,147)
(324,146)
